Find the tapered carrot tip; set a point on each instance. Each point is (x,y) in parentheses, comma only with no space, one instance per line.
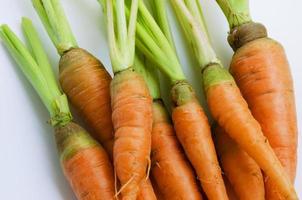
(85,163)
(87,85)
(132,119)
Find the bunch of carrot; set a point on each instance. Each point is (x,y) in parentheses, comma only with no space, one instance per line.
(250,152)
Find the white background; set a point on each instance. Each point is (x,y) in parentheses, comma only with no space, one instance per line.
(29,166)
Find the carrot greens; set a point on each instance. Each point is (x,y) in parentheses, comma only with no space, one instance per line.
(56,24)
(121,33)
(152,41)
(236,11)
(149,72)
(38,71)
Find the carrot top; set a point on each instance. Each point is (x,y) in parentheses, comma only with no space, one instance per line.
(35,65)
(236,11)
(191,19)
(155,41)
(55,22)
(121,33)
(144,67)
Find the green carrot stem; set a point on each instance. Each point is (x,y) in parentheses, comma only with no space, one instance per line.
(38,71)
(160,15)
(236,11)
(196,10)
(148,71)
(122,40)
(153,43)
(195,31)
(55,22)
(40,56)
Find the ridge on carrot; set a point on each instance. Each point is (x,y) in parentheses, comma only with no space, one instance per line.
(167,157)
(82,76)
(226,104)
(83,160)
(261,70)
(131,102)
(191,124)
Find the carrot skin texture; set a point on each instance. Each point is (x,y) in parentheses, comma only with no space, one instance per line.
(132,120)
(262,73)
(146,191)
(87,84)
(230,190)
(231,112)
(170,170)
(193,131)
(156,189)
(242,171)
(85,163)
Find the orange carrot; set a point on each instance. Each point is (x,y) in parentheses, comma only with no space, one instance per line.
(194,134)
(170,169)
(241,170)
(83,78)
(130,101)
(190,122)
(225,101)
(230,190)
(261,70)
(146,191)
(132,119)
(262,73)
(156,190)
(236,119)
(87,84)
(85,163)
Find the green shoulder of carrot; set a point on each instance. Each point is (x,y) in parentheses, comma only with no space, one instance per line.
(55,22)
(35,66)
(222,92)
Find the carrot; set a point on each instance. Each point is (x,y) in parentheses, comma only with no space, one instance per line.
(261,70)
(191,124)
(156,190)
(85,163)
(132,119)
(171,171)
(131,103)
(146,191)
(226,104)
(241,170)
(82,76)
(230,190)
